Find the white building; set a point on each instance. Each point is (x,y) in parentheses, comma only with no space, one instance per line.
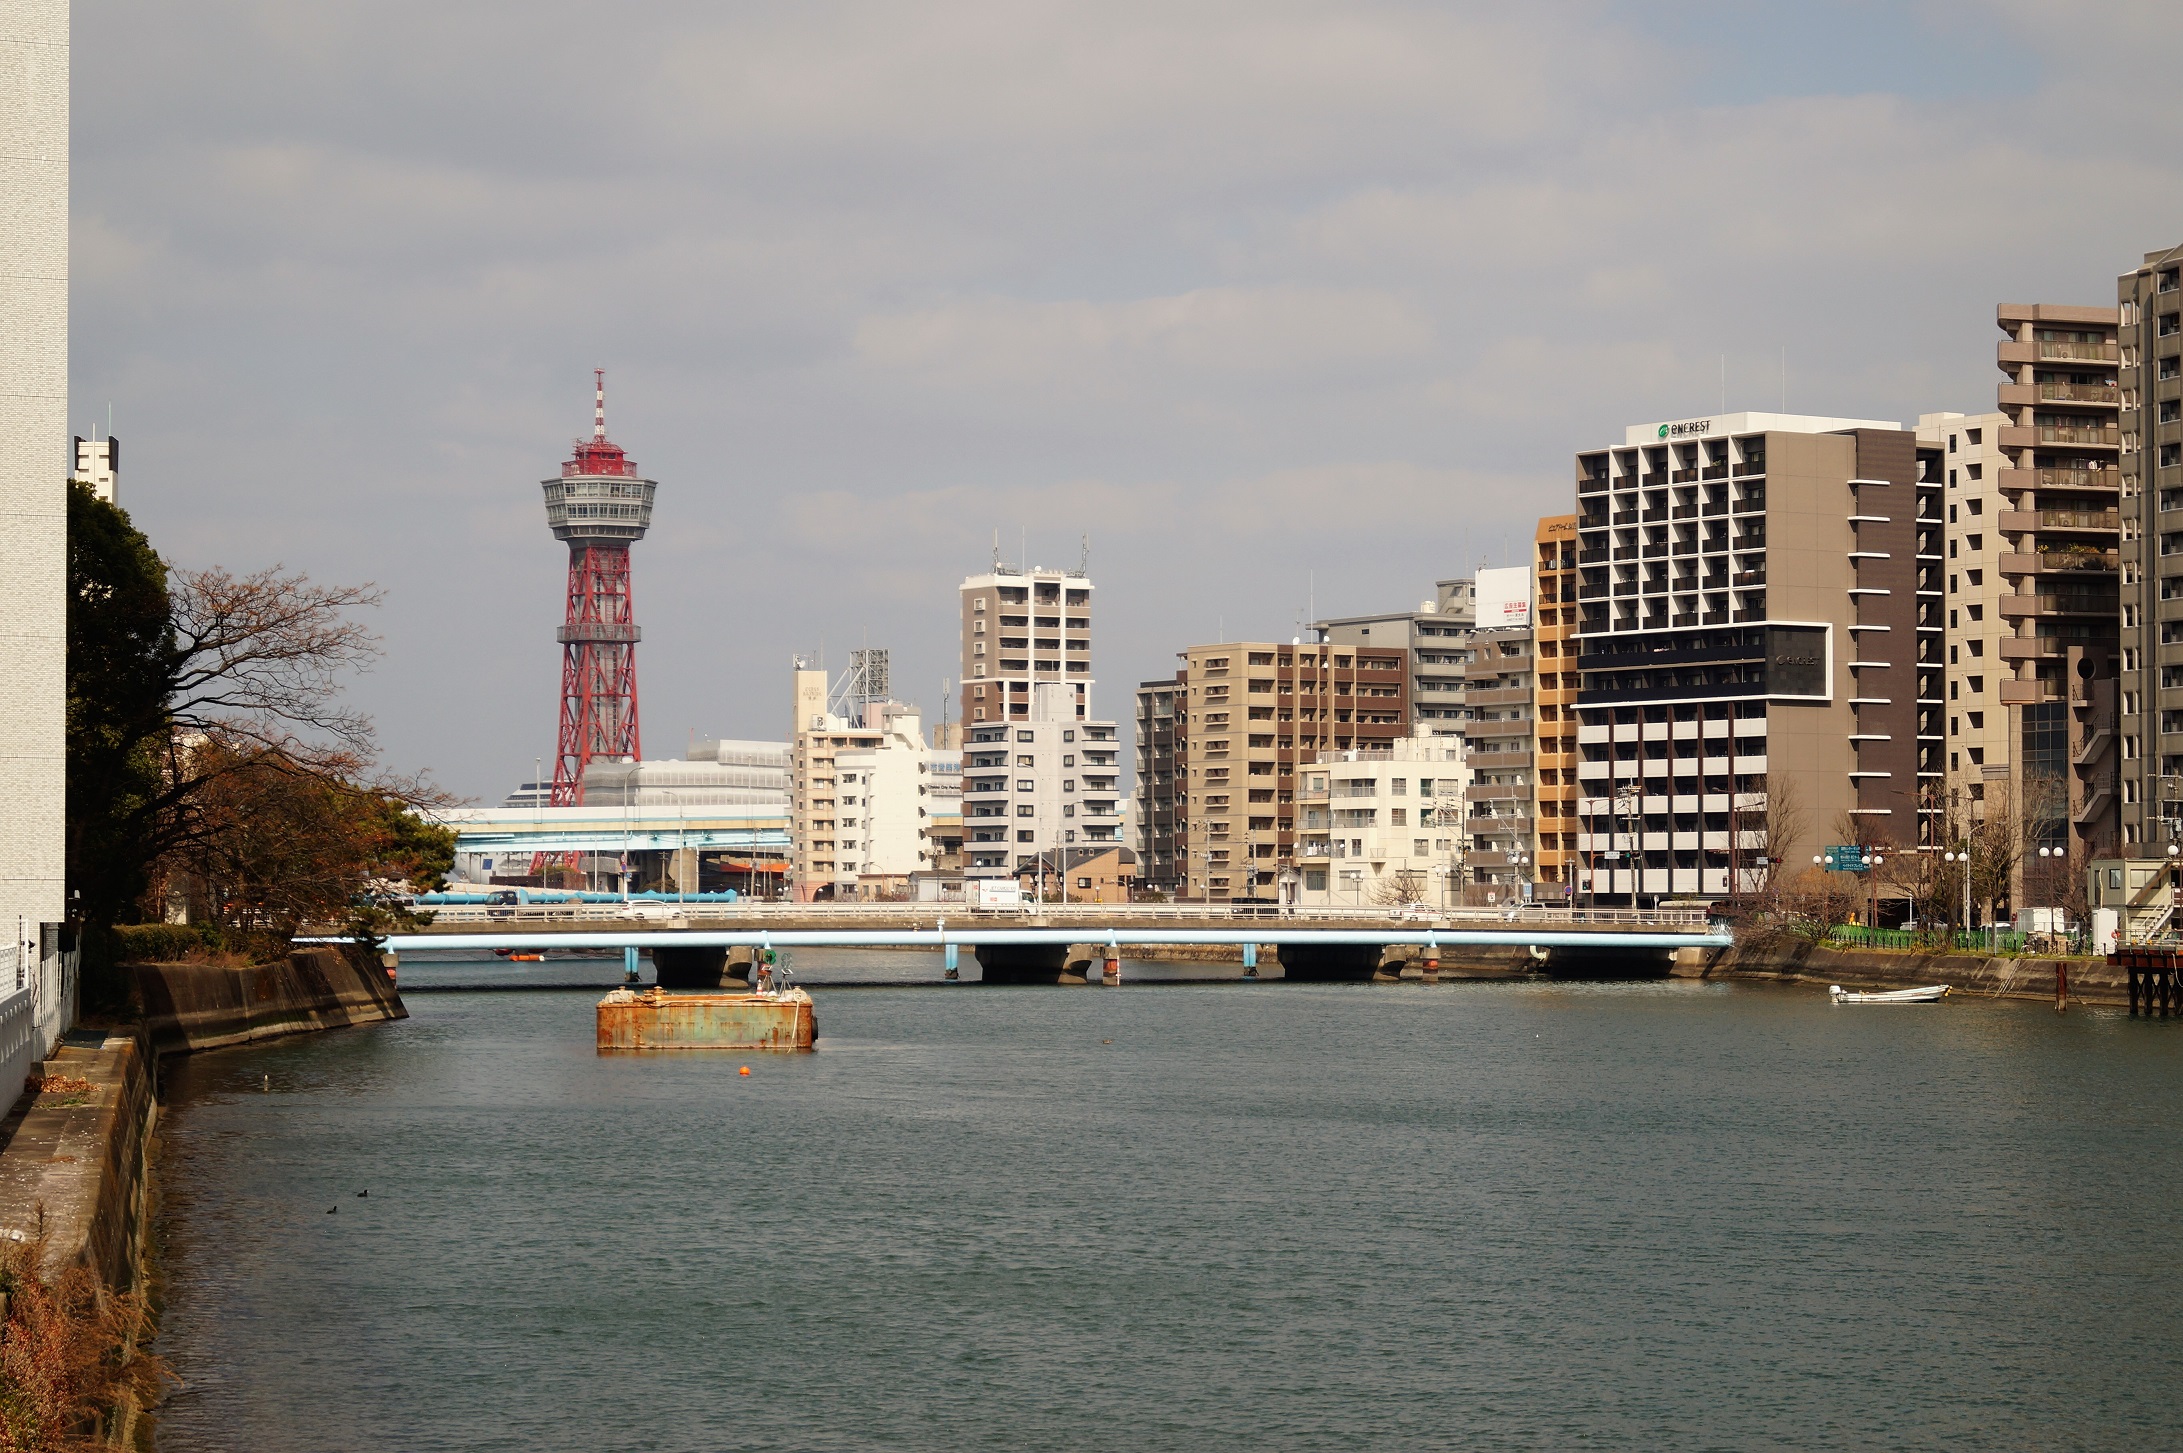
(862,796)
(1038,783)
(1382,826)
(98,464)
(714,774)
(34,58)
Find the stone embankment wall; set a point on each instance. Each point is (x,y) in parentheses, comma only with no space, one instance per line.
(200,1006)
(1787,957)
(73,1171)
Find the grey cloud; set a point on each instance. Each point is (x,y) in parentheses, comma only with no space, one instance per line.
(1351,281)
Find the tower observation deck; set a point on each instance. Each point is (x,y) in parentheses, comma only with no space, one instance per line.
(599,507)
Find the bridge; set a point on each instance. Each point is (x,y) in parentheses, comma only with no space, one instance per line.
(706,944)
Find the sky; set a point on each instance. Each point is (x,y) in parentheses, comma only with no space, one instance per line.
(1274,307)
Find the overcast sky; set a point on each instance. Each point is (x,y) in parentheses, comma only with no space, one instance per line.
(1265,298)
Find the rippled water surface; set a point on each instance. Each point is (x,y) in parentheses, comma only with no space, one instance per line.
(1235,1216)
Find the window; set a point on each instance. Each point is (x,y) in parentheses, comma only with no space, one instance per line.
(1068,784)
(2171,411)
(1974,435)
(1027,761)
(1951,543)
(1976,544)
(1068,809)
(1023,835)
(1083,882)
(2171,324)
(1978,720)
(1977,506)
(2171,366)
(979,607)
(1975,612)
(1026,736)
(1068,736)
(1025,809)
(1025,784)
(1068,760)
(1399,787)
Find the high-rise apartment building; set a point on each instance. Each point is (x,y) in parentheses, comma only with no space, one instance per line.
(33,502)
(1984,718)
(1501,735)
(98,467)
(2149,380)
(1437,636)
(2060,531)
(1554,704)
(1761,641)
(1038,783)
(1022,628)
(1242,717)
(1160,799)
(862,797)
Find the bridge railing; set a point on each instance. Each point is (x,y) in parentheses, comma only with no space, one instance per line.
(1089,914)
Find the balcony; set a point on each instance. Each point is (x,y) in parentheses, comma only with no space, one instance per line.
(2060,520)
(2015,351)
(2060,561)
(2030,648)
(2029,693)
(2053,478)
(2097,437)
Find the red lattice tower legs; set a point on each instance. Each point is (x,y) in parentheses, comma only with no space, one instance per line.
(599,507)
(598,669)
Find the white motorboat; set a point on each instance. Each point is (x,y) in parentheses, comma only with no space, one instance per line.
(1925,994)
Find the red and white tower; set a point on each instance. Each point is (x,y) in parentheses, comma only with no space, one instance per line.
(600,507)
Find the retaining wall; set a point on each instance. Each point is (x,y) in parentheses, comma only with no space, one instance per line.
(200,1006)
(1787,957)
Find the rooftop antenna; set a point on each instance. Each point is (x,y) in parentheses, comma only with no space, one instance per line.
(1083,561)
(598,408)
(996,550)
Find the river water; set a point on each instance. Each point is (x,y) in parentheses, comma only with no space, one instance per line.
(1248,1216)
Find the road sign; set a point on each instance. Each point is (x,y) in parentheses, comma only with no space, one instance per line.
(1845,859)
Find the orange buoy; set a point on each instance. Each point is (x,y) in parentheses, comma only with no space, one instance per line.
(744,1070)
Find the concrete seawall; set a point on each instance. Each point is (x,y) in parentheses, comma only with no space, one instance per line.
(1788,958)
(200,1006)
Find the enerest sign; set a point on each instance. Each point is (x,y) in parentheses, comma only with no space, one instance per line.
(1686,429)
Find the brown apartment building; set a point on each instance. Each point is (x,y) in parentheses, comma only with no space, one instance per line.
(1760,625)
(2149,377)
(1554,701)
(1219,749)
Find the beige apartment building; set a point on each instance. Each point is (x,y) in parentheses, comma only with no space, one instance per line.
(1501,736)
(1023,628)
(1761,633)
(1241,718)
(861,797)
(2149,380)
(1984,726)
(1382,825)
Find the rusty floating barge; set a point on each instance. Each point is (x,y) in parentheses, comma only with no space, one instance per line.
(633,1020)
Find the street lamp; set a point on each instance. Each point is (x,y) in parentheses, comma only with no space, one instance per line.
(1964,858)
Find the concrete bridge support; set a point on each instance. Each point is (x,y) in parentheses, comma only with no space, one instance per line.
(1330,962)
(689,968)
(1609,963)
(1031,963)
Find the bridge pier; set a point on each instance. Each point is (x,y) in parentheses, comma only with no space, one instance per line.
(1610,963)
(1030,963)
(690,968)
(1325,963)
